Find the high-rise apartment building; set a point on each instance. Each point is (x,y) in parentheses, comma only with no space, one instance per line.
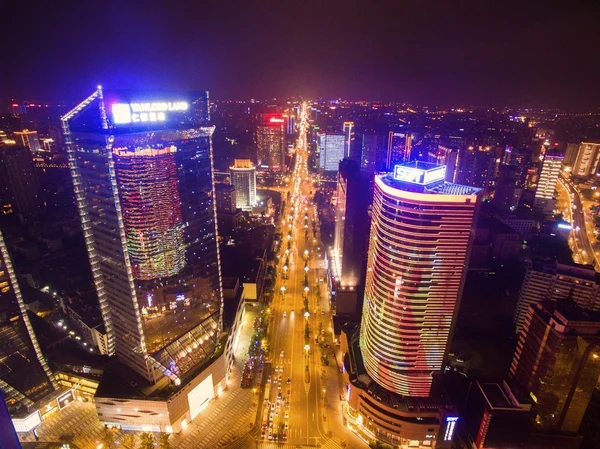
(553,281)
(544,200)
(270,142)
(144,185)
(414,282)
(19,182)
(330,148)
(557,362)
(350,236)
(243,178)
(28,139)
(588,156)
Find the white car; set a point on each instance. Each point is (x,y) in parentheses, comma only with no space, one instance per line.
(284,313)
(281,355)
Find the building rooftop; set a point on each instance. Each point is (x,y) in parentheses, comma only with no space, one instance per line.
(119,380)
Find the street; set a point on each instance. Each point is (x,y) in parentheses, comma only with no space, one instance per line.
(574,210)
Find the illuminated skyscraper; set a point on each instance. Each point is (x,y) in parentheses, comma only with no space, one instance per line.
(243,178)
(544,195)
(420,240)
(270,142)
(144,185)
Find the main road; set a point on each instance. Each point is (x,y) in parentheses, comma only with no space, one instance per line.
(582,232)
(294,391)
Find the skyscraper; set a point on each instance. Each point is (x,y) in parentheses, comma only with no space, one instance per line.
(544,200)
(350,235)
(330,148)
(270,142)
(28,139)
(19,181)
(144,185)
(243,178)
(557,362)
(414,283)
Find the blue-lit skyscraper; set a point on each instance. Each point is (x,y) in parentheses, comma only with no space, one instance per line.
(143,180)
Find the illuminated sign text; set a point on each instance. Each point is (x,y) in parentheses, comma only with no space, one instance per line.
(124,113)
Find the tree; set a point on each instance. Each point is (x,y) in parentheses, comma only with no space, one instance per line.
(108,438)
(163,441)
(146,441)
(129,441)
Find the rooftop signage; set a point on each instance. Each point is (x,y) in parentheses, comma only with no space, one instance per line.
(419,176)
(147,112)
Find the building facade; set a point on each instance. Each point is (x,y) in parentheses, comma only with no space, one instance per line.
(243,178)
(414,282)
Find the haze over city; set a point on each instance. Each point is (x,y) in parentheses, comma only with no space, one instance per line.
(525,54)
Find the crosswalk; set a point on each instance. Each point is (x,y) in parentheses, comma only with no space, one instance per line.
(329,444)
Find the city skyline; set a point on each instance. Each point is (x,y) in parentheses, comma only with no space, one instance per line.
(511,54)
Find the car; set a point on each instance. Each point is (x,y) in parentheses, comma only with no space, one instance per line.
(281,355)
(284,313)
(289,380)
(292,313)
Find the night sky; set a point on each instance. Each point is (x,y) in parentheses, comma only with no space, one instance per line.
(525,53)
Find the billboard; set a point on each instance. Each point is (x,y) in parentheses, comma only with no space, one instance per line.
(147,112)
